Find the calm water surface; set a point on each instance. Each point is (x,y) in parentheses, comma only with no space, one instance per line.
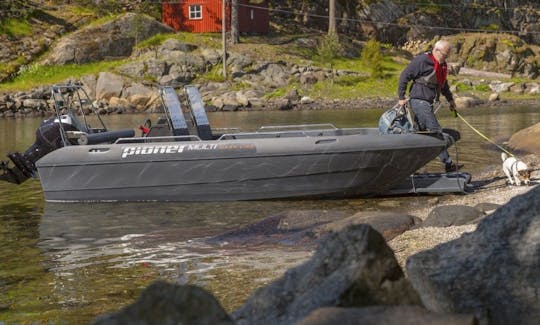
(70,262)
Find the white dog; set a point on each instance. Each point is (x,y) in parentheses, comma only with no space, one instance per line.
(516,170)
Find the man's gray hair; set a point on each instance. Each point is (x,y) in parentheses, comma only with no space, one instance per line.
(442,45)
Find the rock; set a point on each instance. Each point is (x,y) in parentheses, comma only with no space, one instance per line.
(492,272)
(403,315)
(114,38)
(109,85)
(387,224)
(526,140)
(487,208)
(290,228)
(499,87)
(172,44)
(166,303)
(292,95)
(493,97)
(118,104)
(138,94)
(352,268)
(467,101)
(451,215)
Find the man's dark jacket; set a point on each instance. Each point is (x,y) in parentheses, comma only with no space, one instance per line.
(421,66)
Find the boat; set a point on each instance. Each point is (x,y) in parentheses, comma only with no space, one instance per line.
(181,158)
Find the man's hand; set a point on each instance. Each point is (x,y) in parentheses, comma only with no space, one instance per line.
(452,106)
(402,102)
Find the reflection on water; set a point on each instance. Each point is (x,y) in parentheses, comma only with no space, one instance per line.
(161,234)
(71,262)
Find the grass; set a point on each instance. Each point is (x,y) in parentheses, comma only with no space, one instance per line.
(37,75)
(15,27)
(206,40)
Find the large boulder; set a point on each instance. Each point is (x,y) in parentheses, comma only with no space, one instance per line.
(492,272)
(109,85)
(352,268)
(115,38)
(526,140)
(167,303)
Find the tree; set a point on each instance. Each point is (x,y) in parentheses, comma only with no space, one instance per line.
(235,35)
(371,57)
(329,49)
(332,30)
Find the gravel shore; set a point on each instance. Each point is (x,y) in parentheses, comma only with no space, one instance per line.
(491,188)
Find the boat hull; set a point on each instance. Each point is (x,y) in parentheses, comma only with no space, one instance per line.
(361,164)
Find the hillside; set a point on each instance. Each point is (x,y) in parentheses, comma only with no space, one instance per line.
(294,61)
(28,29)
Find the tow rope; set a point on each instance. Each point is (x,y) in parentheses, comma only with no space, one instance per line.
(456,113)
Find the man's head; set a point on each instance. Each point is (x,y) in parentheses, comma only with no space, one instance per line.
(441,50)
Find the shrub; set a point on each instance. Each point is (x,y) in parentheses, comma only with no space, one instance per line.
(371,57)
(329,48)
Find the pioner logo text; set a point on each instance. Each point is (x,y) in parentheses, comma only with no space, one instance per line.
(165,149)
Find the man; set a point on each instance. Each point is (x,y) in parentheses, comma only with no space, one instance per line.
(428,72)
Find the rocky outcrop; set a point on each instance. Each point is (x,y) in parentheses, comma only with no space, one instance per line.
(113,39)
(491,272)
(526,140)
(503,54)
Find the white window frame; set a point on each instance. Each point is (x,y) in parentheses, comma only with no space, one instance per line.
(195,12)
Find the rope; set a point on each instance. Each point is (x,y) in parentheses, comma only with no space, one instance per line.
(482,135)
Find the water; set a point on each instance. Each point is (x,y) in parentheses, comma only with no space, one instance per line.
(70,262)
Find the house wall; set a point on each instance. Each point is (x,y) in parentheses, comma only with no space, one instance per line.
(250,19)
(254,18)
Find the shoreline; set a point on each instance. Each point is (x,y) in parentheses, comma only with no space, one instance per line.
(277,105)
(492,188)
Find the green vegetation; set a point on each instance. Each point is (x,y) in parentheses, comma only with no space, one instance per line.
(36,75)
(328,49)
(371,57)
(215,74)
(15,27)
(354,87)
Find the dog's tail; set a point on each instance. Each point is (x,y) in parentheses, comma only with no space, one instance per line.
(504,156)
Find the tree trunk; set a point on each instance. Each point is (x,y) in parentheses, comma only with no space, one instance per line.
(235,33)
(332,17)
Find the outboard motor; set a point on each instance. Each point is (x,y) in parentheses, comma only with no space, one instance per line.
(48,138)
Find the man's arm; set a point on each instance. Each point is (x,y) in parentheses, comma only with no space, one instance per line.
(448,95)
(409,73)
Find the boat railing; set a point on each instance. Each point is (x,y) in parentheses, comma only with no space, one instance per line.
(283,131)
(322,126)
(158,139)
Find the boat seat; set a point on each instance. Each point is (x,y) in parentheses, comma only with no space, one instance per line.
(174,112)
(199,113)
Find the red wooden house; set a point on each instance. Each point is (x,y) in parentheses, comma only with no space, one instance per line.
(204,16)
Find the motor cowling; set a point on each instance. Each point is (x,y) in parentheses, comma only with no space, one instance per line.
(48,138)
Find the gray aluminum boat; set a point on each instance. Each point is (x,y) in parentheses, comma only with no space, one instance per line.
(182,159)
